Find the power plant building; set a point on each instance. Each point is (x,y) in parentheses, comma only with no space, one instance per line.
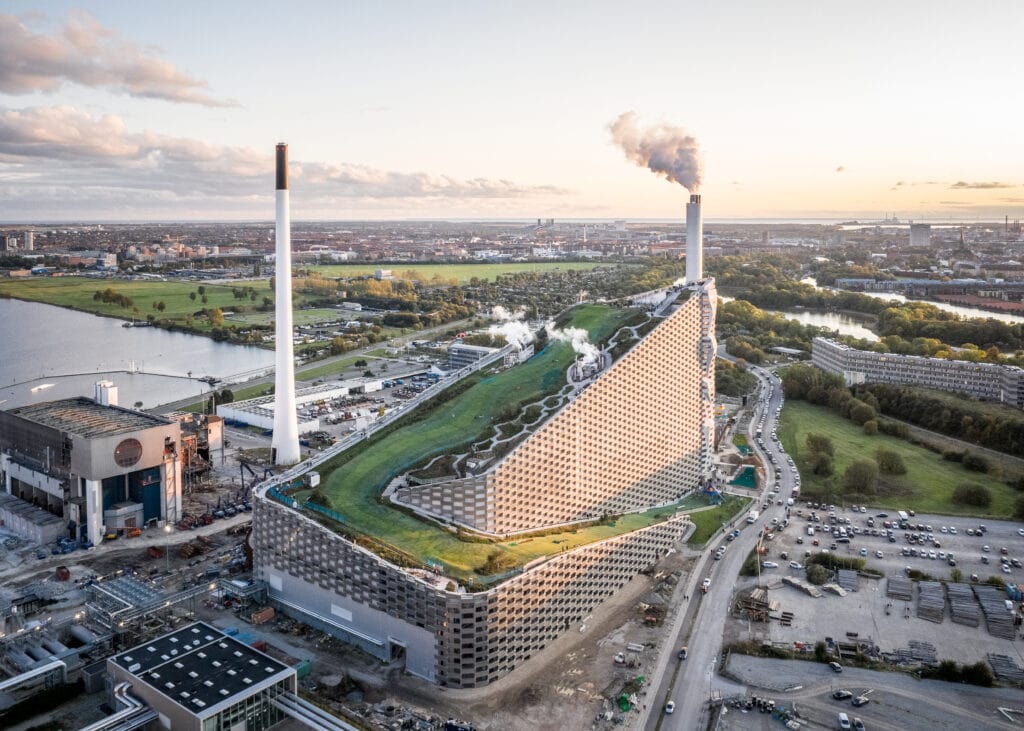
(95,466)
(639,436)
(985,381)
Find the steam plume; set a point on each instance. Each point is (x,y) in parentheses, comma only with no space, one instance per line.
(577,337)
(666,150)
(510,326)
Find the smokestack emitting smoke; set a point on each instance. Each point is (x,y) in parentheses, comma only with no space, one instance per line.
(669,151)
(694,240)
(665,150)
(577,337)
(285,440)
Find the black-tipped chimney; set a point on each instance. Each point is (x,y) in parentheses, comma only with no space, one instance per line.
(282,166)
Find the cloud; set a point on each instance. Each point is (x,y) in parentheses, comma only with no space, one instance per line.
(84,52)
(993,185)
(840,169)
(58,152)
(1011,200)
(900,183)
(955,203)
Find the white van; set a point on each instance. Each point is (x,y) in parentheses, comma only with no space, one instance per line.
(810,530)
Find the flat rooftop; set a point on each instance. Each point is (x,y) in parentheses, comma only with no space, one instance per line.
(28,511)
(86,418)
(199,667)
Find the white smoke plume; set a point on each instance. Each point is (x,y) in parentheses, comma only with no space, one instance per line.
(501,314)
(665,150)
(577,337)
(510,326)
(514,332)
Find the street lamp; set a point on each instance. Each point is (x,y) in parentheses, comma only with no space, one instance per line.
(167,553)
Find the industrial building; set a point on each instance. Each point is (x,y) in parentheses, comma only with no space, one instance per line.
(640,435)
(196,678)
(461,355)
(96,466)
(985,381)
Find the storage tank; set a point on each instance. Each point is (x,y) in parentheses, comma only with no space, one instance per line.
(82,634)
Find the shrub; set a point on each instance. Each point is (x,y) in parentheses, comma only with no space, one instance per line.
(821,444)
(975,462)
(890,462)
(871,427)
(970,494)
(817,574)
(861,476)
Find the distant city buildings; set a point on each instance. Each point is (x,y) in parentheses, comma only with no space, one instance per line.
(986,381)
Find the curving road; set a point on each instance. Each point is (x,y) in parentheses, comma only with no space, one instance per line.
(689,683)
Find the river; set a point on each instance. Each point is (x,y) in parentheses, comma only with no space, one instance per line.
(844,324)
(49,353)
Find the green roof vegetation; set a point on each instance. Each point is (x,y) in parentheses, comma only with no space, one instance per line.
(449,423)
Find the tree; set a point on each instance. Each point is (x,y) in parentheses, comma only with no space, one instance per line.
(817,574)
(971,494)
(216,317)
(820,651)
(890,462)
(192,296)
(201,289)
(205,300)
(860,412)
(956,575)
(361,363)
(821,444)
(861,476)
(368,373)
(870,427)
(138,404)
(821,464)
(161,305)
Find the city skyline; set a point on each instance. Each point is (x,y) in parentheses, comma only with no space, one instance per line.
(112,111)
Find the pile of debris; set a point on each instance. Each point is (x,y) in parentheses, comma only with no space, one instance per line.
(963,607)
(847,578)
(756,605)
(993,604)
(1006,668)
(931,601)
(834,588)
(900,587)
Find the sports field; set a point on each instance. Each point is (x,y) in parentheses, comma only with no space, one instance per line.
(927,486)
(462,272)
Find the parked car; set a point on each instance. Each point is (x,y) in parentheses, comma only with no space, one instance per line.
(836,667)
(841,695)
(861,700)
(844,721)
(670,708)
(769,565)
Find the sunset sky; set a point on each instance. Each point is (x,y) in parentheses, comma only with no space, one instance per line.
(157,110)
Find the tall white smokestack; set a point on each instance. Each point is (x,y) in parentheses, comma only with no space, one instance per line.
(694,240)
(284,444)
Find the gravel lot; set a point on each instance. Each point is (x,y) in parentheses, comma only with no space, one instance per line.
(864,612)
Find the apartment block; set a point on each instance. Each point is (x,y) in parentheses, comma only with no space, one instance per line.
(985,381)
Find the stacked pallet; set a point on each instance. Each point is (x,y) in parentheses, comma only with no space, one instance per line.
(847,578)
(993,604)
(917,652)
(1006,668)
(963,607)
(899,587)
(931,601)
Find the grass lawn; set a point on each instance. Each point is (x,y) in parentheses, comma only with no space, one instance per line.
(462,272)
(711,519)
(299,317)
(927,487)
(354,486)
(77,293)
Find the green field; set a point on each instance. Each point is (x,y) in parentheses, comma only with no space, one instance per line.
(711,519)
(299,317)
(927,486)
(77,293)
(462,272)
(353,487)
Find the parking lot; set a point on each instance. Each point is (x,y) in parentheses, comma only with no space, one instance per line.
(868,613)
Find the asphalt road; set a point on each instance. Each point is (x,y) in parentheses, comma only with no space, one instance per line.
(702,625)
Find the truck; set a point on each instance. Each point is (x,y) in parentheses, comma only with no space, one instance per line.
(754,515)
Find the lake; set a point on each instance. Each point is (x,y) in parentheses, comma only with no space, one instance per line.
(42,345)
(844,324)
